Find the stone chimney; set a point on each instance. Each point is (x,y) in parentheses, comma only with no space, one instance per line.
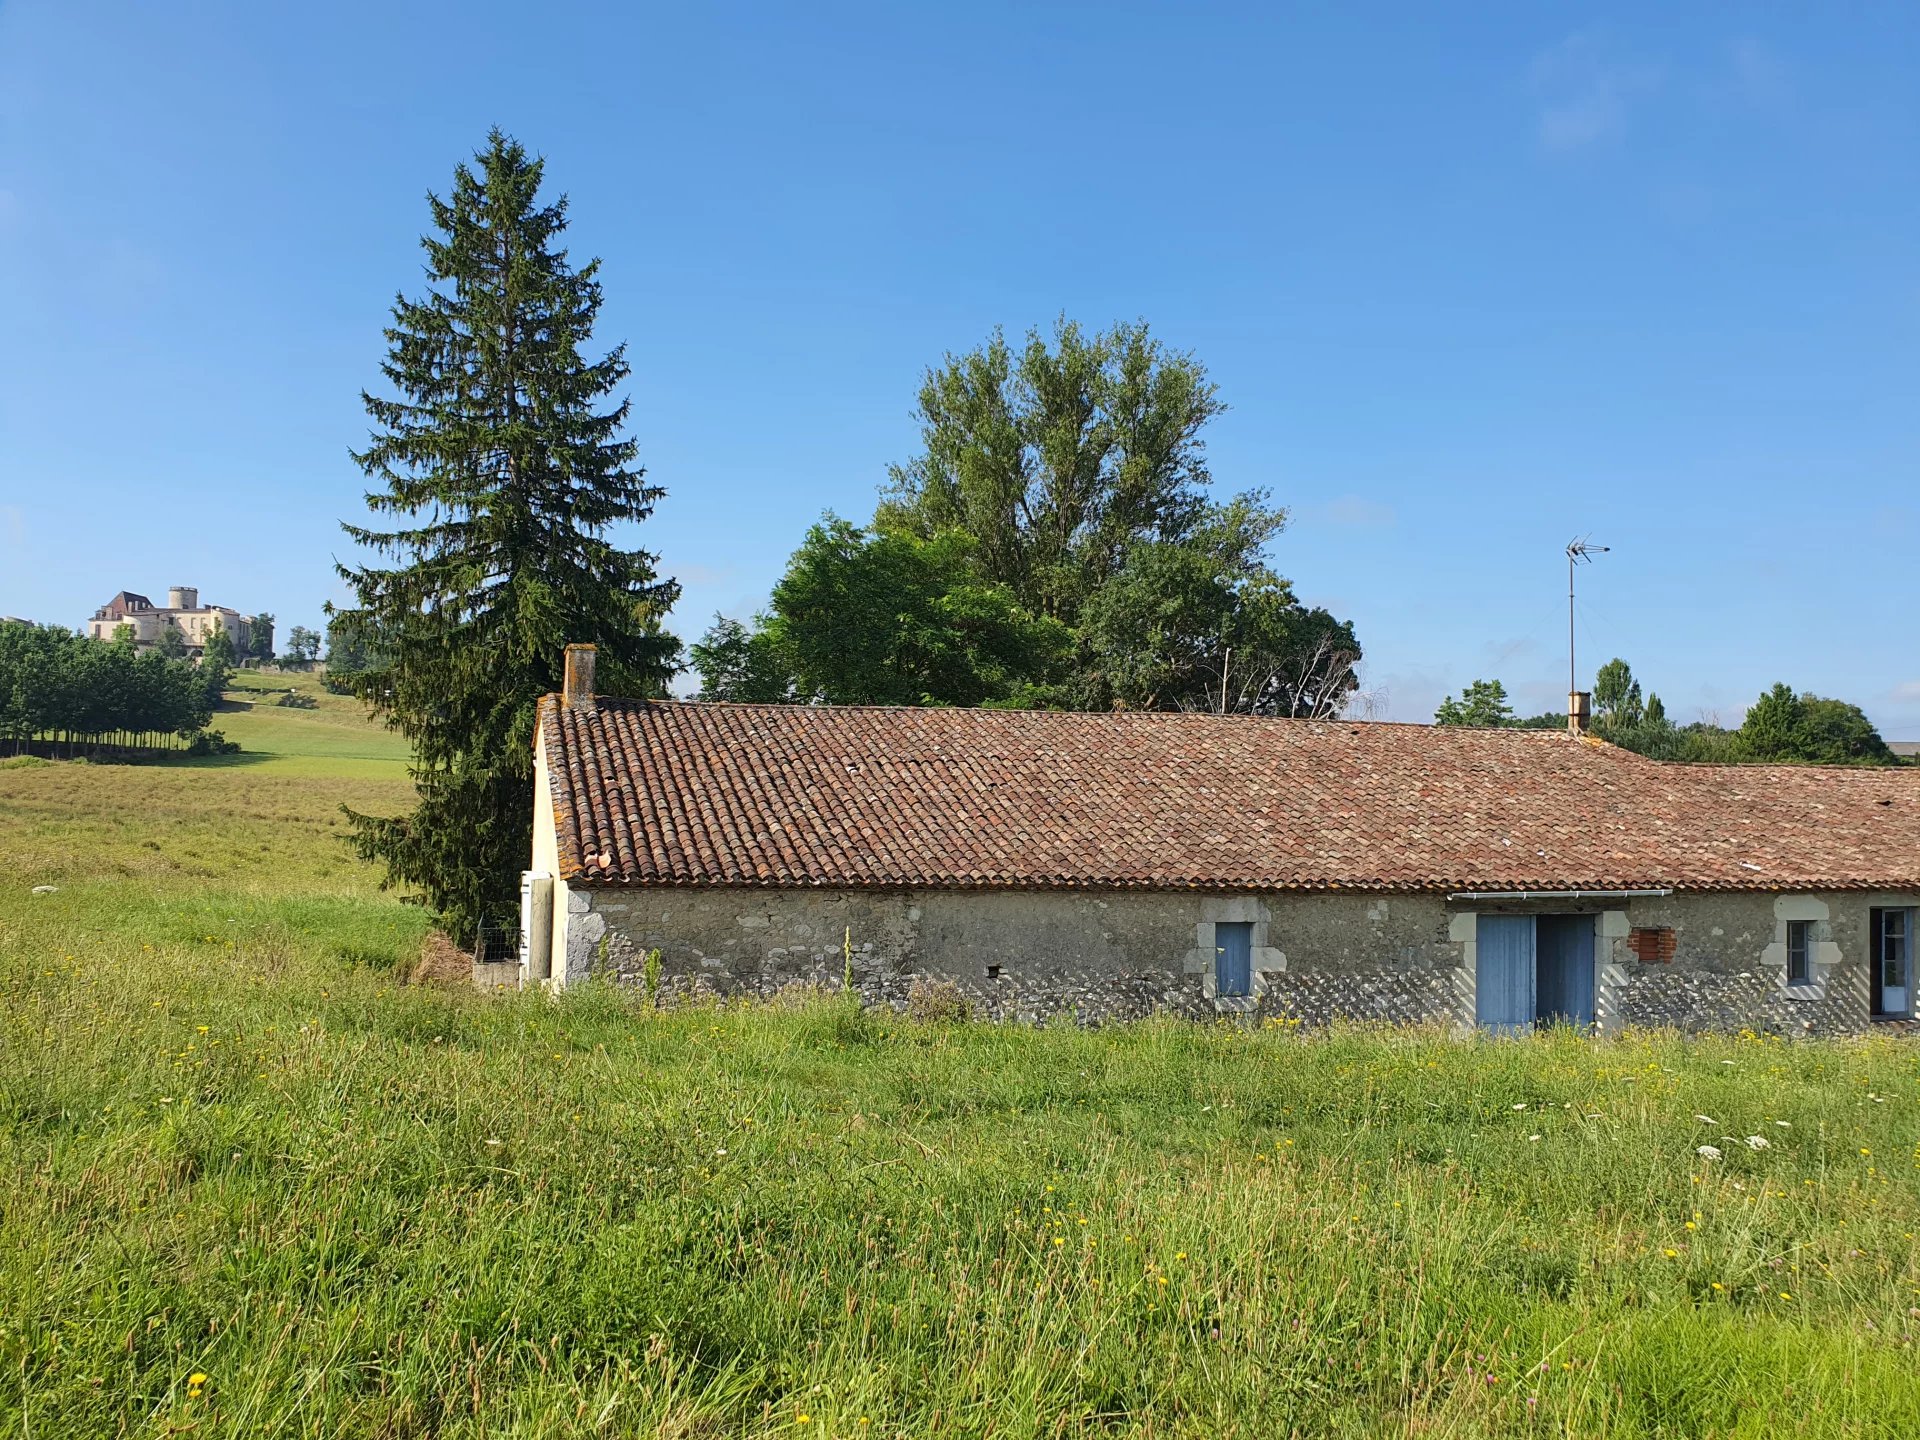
(578,686)
(1579,711)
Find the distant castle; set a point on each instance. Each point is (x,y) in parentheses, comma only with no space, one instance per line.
(182,612)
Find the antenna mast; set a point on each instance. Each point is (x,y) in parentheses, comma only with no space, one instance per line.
(1578,552)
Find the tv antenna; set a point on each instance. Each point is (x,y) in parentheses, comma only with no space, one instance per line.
(1579,552)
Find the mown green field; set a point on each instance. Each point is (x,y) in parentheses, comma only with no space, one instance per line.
(234,1146)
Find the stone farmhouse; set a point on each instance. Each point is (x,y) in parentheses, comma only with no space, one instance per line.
(182,612)
(1112,865)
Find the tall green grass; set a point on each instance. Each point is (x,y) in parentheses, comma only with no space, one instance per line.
(361,1208)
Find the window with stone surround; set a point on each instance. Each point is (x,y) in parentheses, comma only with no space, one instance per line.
(1799,952)
(1803,953)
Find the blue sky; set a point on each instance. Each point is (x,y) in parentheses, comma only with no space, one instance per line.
(1473,279)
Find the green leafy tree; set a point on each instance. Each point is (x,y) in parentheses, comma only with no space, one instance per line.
(1616,696)
(1836,732)
(1483,702)
(1623,717)
(1180,626)
(740,664)
(1771,730)
(865,617)
(216,664)
(504,464)
(303,646)
(1076,466)
(260,638)
(1811,729)
(1057,459)
(171,644)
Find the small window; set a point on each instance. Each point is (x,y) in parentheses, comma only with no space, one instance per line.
(993,972)
(1799,952)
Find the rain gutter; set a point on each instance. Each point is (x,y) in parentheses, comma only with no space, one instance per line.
(1560,894)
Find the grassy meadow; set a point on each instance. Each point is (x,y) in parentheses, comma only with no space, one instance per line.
(252,1184)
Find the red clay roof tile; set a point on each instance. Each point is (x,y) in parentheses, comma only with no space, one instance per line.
(680,793)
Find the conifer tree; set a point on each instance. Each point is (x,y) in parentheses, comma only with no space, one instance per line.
(504,466)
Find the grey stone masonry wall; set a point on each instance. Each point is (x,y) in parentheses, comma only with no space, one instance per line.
(1729,970)
(1037,956)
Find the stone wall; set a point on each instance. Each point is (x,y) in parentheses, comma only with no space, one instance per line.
(1039,955)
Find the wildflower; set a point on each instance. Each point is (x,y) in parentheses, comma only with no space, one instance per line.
(1757,1142)
(1521,1106)
(1533,1137)
(1784,1124)
(1707,1152)
(1671,1254)
(1706,1120)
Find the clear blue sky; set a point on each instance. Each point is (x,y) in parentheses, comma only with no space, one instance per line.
(1474,279)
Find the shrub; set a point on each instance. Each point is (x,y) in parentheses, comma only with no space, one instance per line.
(937,1002)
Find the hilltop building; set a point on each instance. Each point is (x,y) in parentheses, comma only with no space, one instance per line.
(182,612)
(1112,865)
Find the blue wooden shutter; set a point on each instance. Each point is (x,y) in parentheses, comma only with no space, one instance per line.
(1564,990)
(1503,986)
(1233,959)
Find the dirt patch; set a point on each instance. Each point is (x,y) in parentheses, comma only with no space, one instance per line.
(441,962)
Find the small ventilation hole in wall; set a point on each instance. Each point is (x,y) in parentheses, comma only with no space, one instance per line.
(993,972)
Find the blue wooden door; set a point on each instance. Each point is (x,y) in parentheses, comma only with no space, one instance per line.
(1563,992)
(1233,959)
(1503,985)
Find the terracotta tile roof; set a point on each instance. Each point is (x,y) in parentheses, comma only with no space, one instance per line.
(681,793)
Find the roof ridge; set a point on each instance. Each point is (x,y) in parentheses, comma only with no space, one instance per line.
(788,707)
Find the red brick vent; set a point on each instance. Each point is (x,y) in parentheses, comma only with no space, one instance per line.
(1654,945)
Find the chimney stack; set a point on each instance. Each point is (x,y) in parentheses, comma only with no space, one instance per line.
(578,686)
(1579,711)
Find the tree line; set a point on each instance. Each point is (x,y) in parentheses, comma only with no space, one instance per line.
(1782,726)
(80,696)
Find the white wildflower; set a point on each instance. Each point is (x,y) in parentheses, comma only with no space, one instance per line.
(1706,1120)
(1533,1137)
(1757,1142)
(1784,1124)
(1521,1106)
(1707,1152)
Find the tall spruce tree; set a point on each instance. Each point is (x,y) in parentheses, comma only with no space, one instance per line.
(505,466)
